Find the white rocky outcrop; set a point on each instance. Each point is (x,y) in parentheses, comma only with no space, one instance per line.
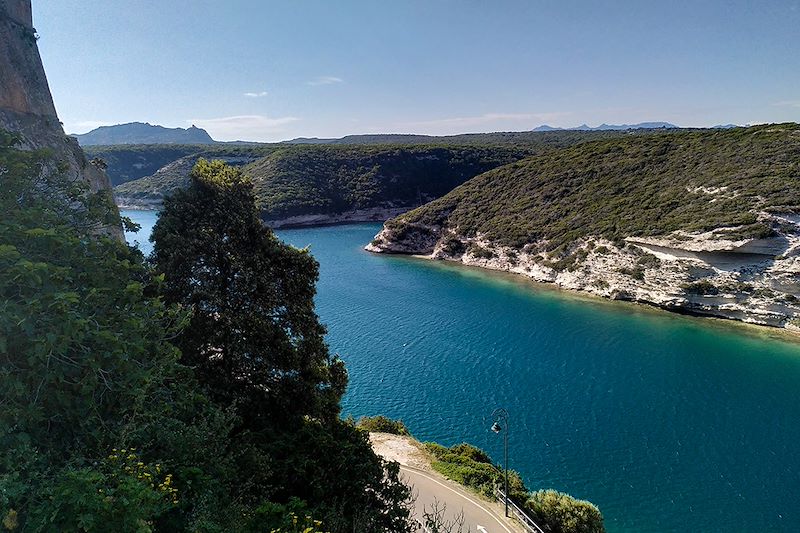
(751,280)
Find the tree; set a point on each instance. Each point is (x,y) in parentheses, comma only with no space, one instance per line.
(254,338)
(256,344)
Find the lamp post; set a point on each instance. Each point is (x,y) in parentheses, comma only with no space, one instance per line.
(500,418)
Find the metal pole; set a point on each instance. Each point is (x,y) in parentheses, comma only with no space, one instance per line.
(501,415)
(505,436)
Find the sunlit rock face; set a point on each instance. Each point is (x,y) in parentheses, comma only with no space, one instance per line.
(750,280)
(26,105)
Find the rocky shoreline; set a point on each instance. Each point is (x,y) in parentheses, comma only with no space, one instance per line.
(372,214)
(756,281)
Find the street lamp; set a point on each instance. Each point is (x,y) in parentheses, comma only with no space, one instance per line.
(500,417)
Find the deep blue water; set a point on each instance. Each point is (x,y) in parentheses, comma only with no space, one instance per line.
(667,423)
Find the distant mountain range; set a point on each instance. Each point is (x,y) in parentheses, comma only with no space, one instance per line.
(143,133)
(604,127)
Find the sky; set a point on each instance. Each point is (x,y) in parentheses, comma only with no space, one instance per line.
(267,70)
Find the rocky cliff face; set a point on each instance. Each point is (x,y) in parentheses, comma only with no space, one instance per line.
(751,280)
(26,105)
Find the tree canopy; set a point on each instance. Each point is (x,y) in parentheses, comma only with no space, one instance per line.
(253,338)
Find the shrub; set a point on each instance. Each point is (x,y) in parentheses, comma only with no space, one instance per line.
(702,287)
(453,246)
(382,424)
(472,467)
(480,252)
(636,272)
(557,512)
(648,260)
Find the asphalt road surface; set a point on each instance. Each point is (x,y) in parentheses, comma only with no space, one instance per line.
(478,518)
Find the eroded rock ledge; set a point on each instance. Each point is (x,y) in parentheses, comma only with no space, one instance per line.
(750,280)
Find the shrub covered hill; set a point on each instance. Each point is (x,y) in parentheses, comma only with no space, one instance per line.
(307,184)
(703,221)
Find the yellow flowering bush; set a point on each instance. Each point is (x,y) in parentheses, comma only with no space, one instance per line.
(125,462)
(300,524)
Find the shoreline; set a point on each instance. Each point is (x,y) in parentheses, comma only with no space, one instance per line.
(302,221)
(707,320)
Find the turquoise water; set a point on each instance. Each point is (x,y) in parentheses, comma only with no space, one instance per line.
(667,423)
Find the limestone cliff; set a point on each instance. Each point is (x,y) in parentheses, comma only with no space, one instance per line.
(750,280)
(26,105)
(702,222)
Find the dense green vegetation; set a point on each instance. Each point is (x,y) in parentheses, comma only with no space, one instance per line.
(376,171)
(130,162)
(632,185)
(473,468)
(326,179)
(252,303)
(298,180)
(561,513)
(554,511)
(125,405)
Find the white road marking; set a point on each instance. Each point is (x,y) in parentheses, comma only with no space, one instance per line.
(481,528)
(490,513)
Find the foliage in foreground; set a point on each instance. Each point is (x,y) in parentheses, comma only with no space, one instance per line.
(254,338)
(86,367)
(103,426)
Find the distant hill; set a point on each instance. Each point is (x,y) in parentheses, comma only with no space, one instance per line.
(552,136)
(143,133)
(610,127)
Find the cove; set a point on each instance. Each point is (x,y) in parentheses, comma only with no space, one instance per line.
(667,423)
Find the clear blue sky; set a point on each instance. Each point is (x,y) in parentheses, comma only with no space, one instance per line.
(273,70)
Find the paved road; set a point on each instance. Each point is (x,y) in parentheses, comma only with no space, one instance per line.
(477,516)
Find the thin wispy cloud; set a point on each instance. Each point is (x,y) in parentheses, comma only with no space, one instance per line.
(243,127)
(788,103)
(259,94)
(325,80)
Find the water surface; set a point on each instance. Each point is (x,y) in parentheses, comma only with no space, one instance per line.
(667,423)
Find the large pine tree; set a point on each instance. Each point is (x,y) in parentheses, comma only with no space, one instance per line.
(254,337)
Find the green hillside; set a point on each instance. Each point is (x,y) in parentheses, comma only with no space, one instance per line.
(639,185)
(331,179)
(133,161)
(322,179)
(314,179)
